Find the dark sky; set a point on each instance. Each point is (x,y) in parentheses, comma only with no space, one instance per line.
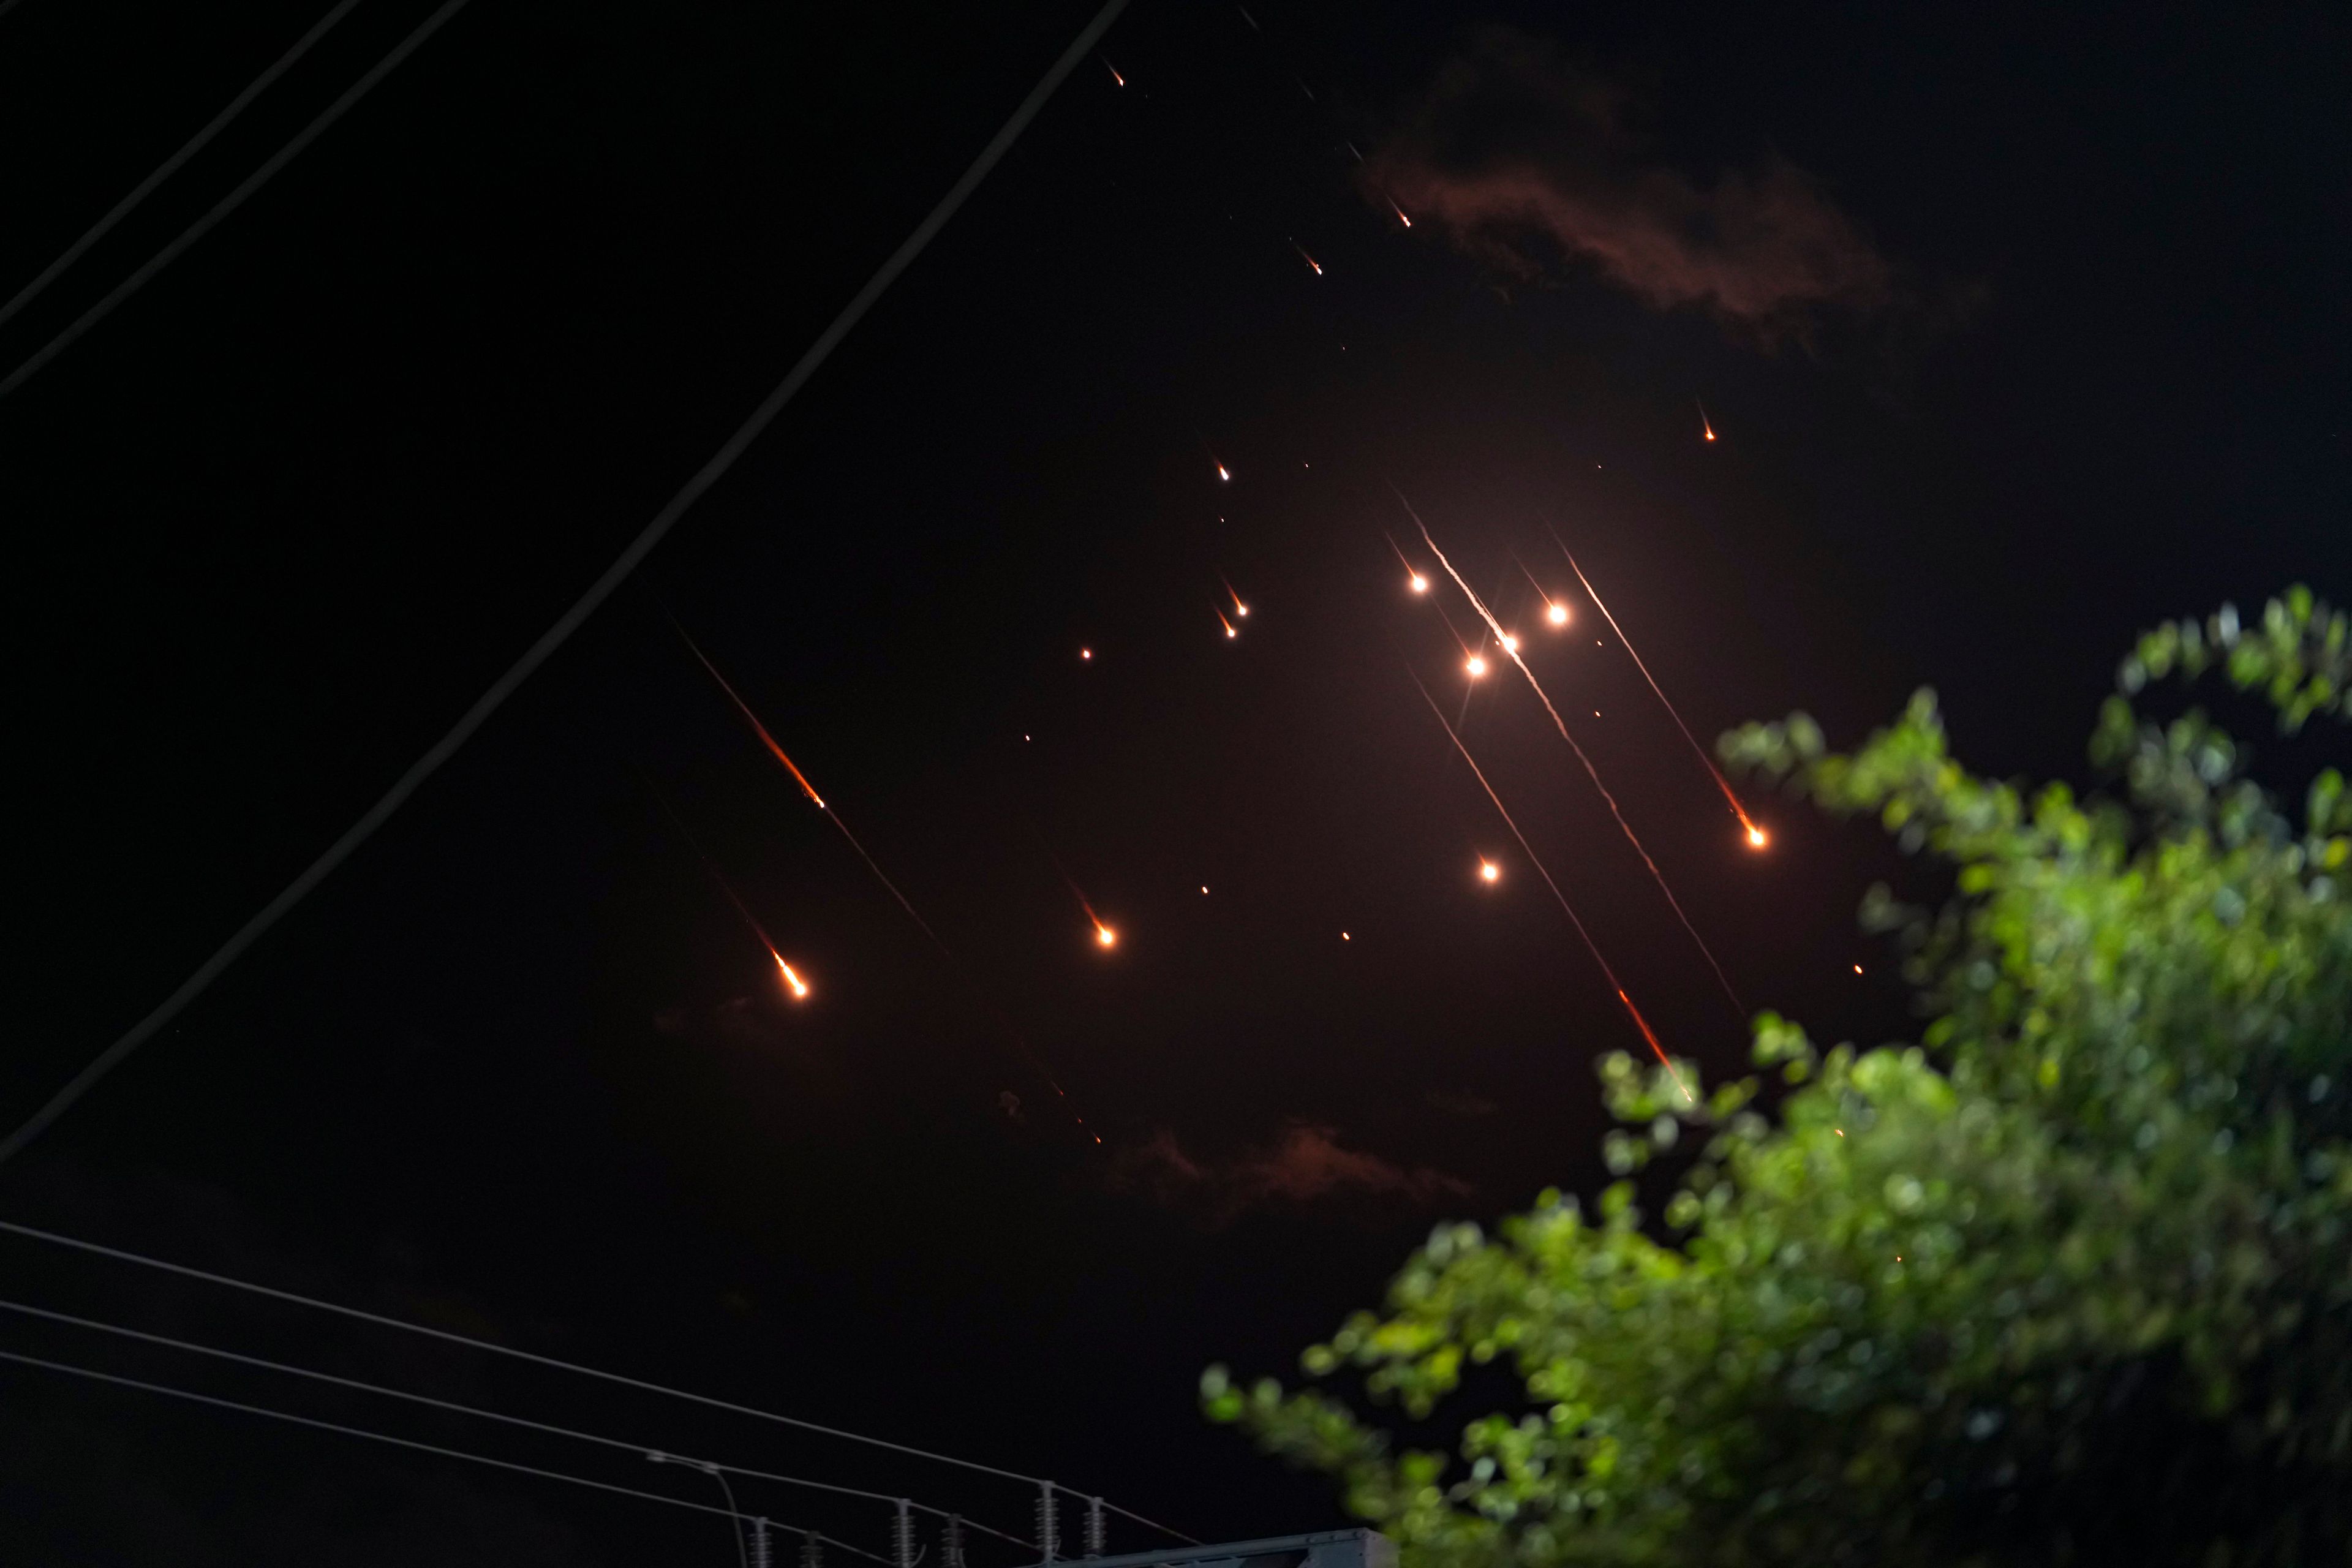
(2054,343)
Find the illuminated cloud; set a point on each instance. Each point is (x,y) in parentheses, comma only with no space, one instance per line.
(1307,1165)
(1513,144)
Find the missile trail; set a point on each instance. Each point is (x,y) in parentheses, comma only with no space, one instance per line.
(1565,908)
(757,728)
(1756,837)
(954,963)
(798,987)
(1512,652)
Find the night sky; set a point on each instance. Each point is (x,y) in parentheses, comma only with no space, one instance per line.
(2019,329)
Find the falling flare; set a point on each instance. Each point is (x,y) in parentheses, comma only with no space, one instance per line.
(1489,872)
(1241,611)
(1556,613)
(799,988)
(1020,1040)
(1565,908)
(1703,424)
(1510,643)
(1224,622)
(1105,935)
(1589,770)
(1114,73)
(1756,838)
(753,719)
(1413,577)
(1476,666)
(1400,212)
(1224,473)
(1085,653)
(1417,582)
(1306,258)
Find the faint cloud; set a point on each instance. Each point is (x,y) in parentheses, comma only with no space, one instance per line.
(1513,142)
(1307,1165)
(1470,1107)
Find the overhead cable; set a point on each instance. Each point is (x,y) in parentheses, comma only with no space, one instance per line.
(571,619)
(170,166)
(233,200)
(448,1336)
(374,1436)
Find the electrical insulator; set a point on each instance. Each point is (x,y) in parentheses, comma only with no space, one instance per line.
(902,1537)
(1095,1535)
(1049,1533)
(763,1551)
(951,1543)
(812,1551)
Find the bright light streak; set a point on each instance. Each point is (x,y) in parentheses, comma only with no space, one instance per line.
(1556,613)
(1510,643)
(1224,472)
(1306,258)
(1703,424)
(1114,73)
(1417,582)
(1105,936)
(1400,212)
(1565,907)
(1085,653)
(1226,624)
(798,987)
(753,719)
(1477,666)
(1756,838)
(1489,872)
(1591,771)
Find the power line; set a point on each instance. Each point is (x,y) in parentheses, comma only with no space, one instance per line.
(454,1408)
(362,1315)
(598,592)
(387,1437)
(233,200)
(172,165)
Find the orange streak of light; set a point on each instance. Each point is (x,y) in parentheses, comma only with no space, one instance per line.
(1702,422)
(1114,73)
(1591,771)
(1757,837)
(1021,1041)
(757,728)
(1565,908)
(1306,258)
(1240,609)
(1400,212)
(798,987)
(1224,622)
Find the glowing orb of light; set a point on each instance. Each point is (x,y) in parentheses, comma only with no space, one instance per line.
(1105,936)
(1223,473)
(1477,666)
(1489,872)
(1240,609)
(1756,839)
(1510,643)
(1556,615)
(1085,653)
(799,988)
(1418,583)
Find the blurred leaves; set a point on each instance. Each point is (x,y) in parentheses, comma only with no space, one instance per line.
(2069,1277)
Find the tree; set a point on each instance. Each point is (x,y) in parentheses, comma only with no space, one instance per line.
(2068,1279)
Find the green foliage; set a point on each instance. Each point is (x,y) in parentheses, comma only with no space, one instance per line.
(2070,1279)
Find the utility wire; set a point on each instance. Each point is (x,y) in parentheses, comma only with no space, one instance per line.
(597,593)
(361,1315)
(172,165)
(235,199)
(453,1407)
(387,1437)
